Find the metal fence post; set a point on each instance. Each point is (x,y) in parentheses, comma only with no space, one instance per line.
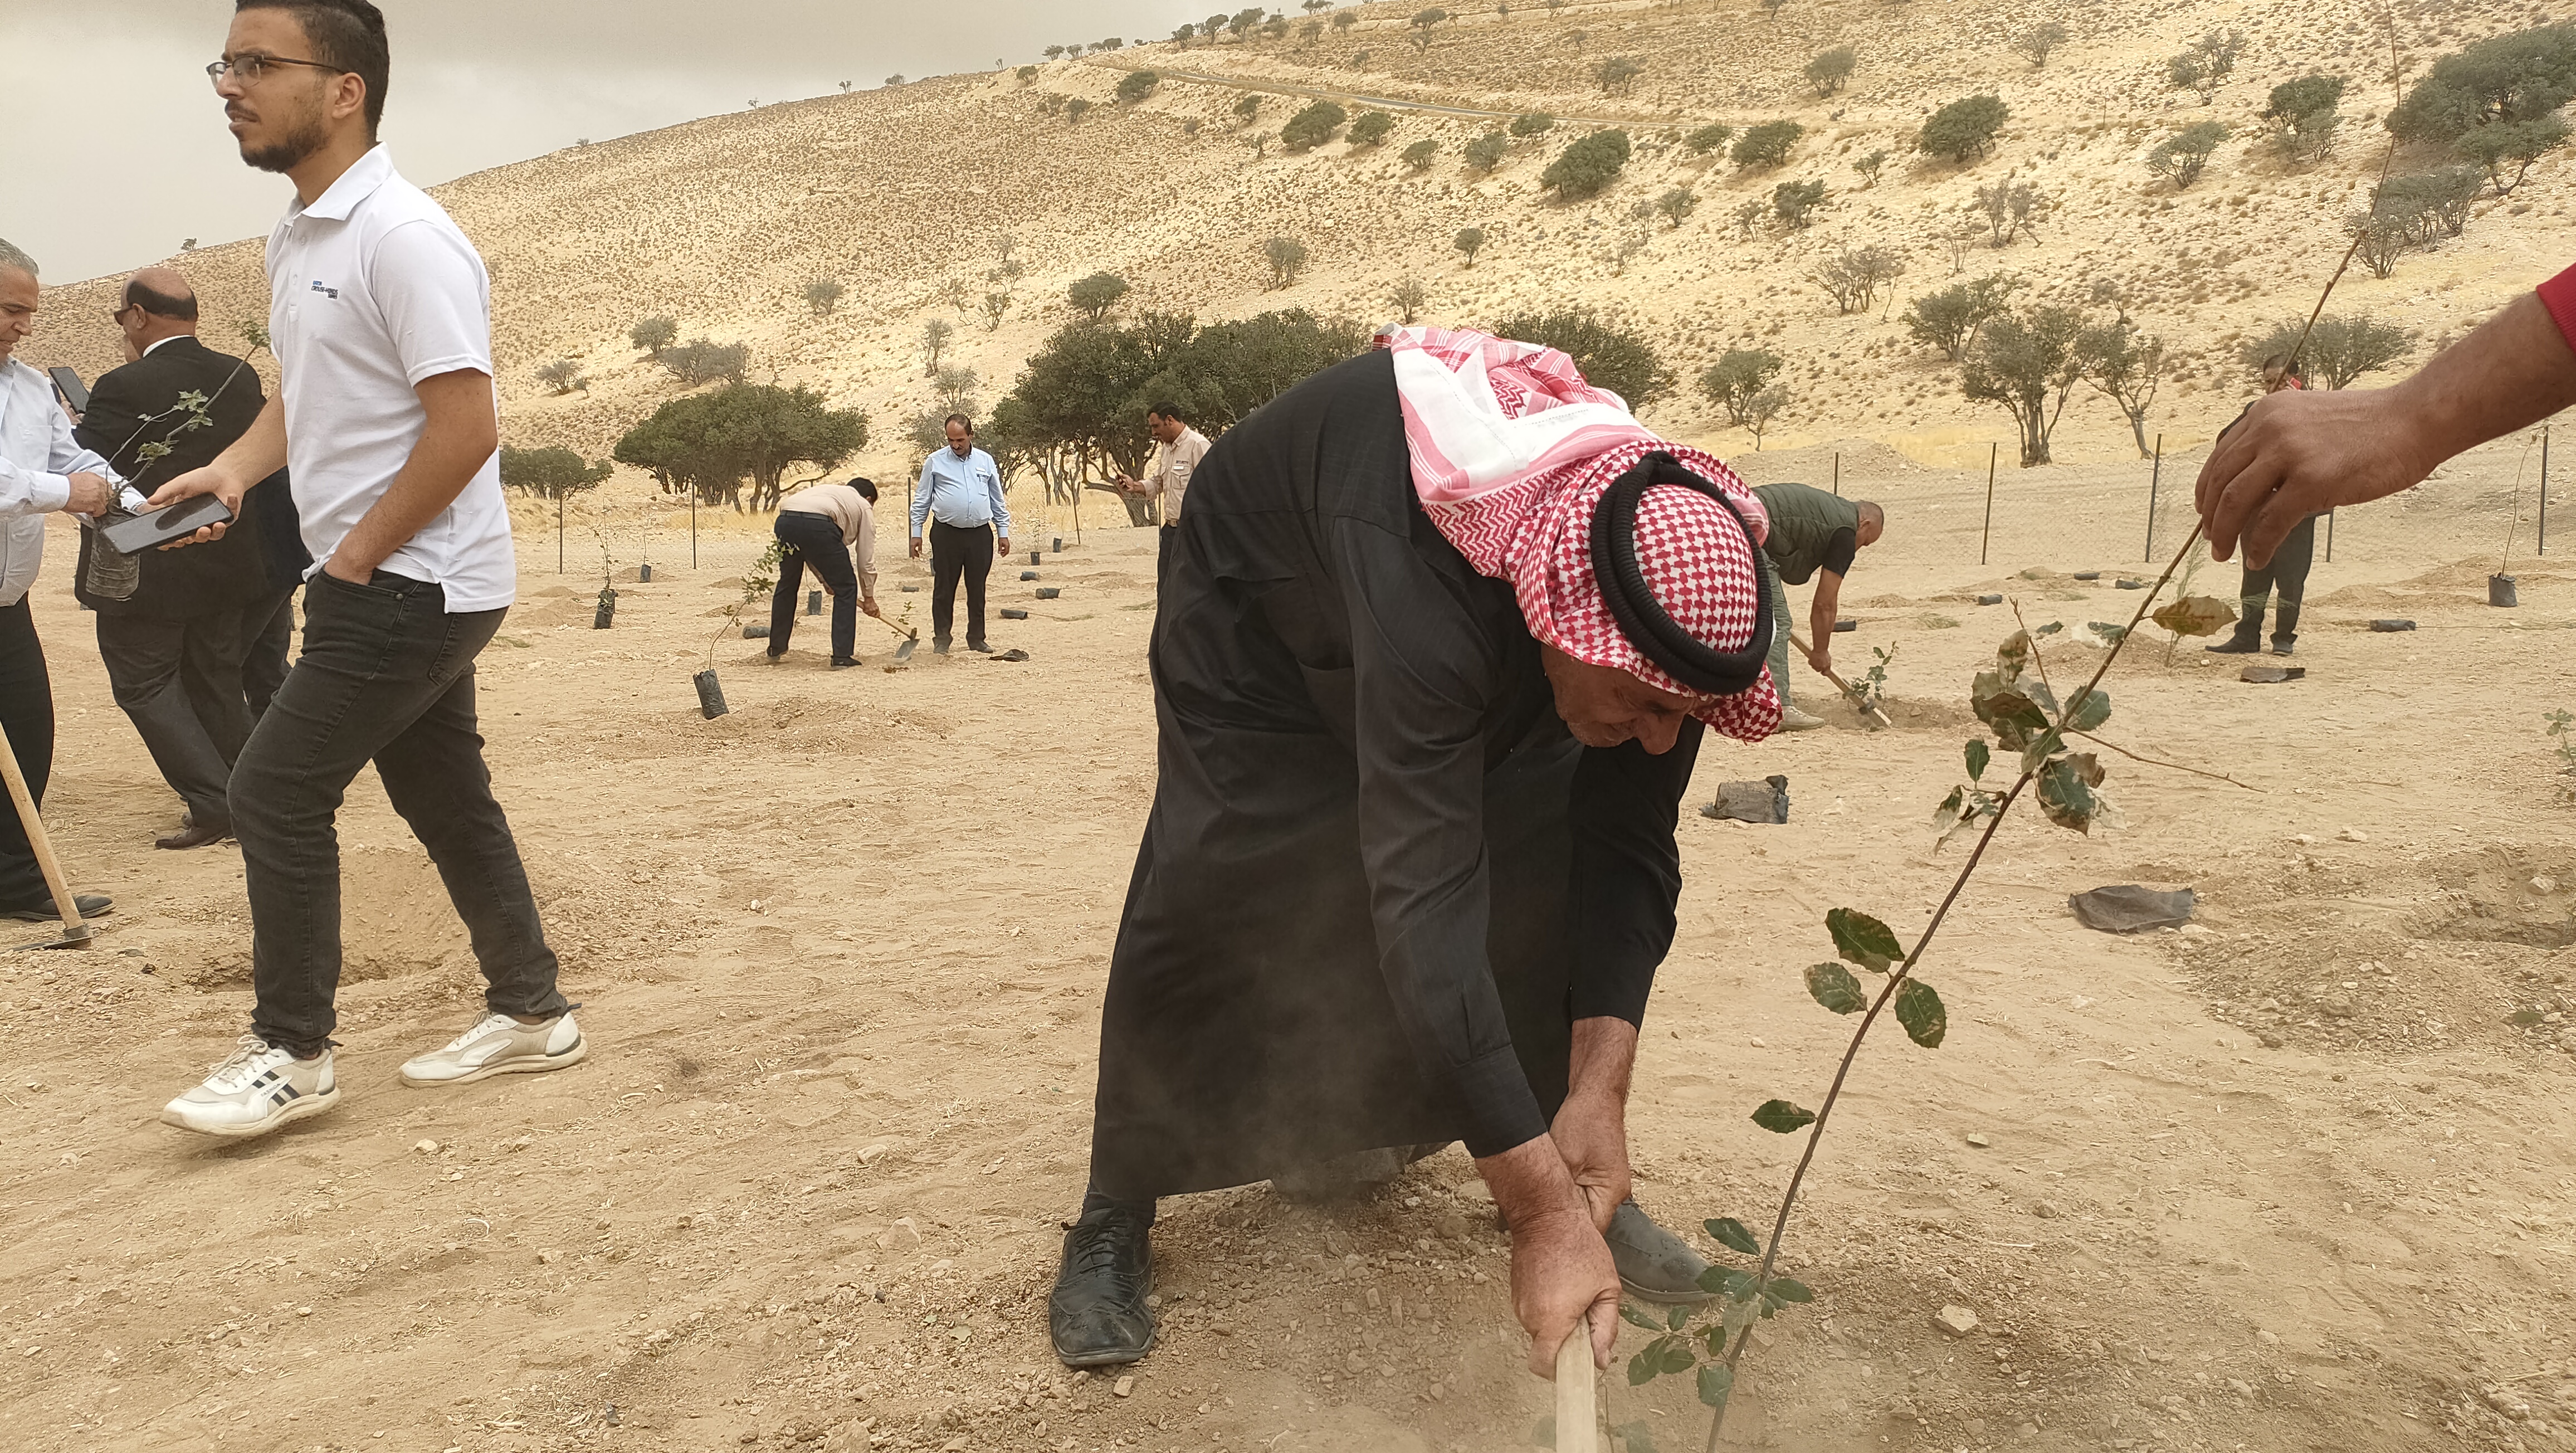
(693,525)
(2544,488)
(1838,474)
(1993,451)
(2153,482)
(2330,537)
(559,558)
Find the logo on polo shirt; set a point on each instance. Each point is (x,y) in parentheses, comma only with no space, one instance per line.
(326,292)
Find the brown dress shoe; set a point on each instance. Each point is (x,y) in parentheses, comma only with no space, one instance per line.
(194,835)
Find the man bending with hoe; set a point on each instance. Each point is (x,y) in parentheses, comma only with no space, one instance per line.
(1440,631)
(1814,536)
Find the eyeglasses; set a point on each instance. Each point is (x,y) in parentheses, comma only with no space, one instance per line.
(250,68)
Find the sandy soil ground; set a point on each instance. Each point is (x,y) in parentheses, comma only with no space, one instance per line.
(2296,1177)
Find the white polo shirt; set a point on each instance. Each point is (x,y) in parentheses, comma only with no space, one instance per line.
(371,290)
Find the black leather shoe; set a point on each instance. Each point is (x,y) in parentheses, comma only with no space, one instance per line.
(2236,646)
(981,647)
(192,836)
(939,645)
(844,663)
(1654,1264)
(91,905)
(2282,647)
(1097,1316)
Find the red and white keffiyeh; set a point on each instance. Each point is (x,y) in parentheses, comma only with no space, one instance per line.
(1512,452)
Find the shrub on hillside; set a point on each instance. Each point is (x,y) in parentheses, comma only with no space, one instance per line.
(1583,169)
(1795,203)
(2207,65)
(562,376)
(1712,137)
(1737,377)
(1852,278)
(1075,108)
(824,294)
(1767,144)
(1312,126)
(1287,258)
(2506,79)
(1371,128)
(2012,209)
(550,473)
(1248,105)
(2303,117)
(2512,146)
(2339,350)
(1610,357)
(2028,364)
(1964,130)
(652,335)
(699,361)
(1827,72)
(1617,76)
(1470,240)
(2180,157)
(1419,155)
(2038,42)
(1949,319)
(1675,204)
(1096,294)
(1409,297)
(1135,86)
(712,444)
(1533,123)
(1486,152)
(2433,204)
(1868,167)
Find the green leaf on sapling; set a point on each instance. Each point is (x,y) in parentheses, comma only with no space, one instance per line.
(1679,1316)
(1863,940)
(1786,1289)
(1632,1314)
(1833,986)
(1979,754)
(1737,1316)
(1919,1009)
(1781,1118)
(1728,1232)
(2093,710)
(1645,1367)
(1716,1380)
(1678,1356)
(1945,818)
(2066,793)
(1728,1282)
(2015,717)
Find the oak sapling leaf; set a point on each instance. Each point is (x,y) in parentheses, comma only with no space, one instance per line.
(2066,792)
(1979,754)
(2195,615)
(1678,1317)
(1833,986)
(2015,715)
(2090,712)
(1919,1009)
(1728,1232)
(1727,1281)
(1678,1356)
(1781,1118)
(1716,1380)
(1645,1367)
(1631,1314)
(1863,940)
(1784,1289)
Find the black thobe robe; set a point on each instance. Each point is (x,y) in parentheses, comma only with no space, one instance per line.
(1380,880)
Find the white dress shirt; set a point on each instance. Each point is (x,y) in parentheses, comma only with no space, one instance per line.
(38,456)
(372,290)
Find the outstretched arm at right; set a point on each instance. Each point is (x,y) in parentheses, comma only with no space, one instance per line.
(2297,453)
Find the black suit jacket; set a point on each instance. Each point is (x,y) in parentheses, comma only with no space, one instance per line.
(230,572)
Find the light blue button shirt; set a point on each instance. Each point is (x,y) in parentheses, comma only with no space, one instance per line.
(38,456)
(965,494)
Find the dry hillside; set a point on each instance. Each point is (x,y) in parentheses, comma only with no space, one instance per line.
(904,194)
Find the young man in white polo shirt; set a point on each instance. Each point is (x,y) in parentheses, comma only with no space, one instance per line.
(381,312)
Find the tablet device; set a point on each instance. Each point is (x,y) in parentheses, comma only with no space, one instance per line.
(160,527)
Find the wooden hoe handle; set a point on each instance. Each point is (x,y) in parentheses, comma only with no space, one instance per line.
(1577,1423)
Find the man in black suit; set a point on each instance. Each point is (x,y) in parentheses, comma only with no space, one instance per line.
(179,647)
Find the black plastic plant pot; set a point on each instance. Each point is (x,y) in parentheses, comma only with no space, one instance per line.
(1035,557)
(607,611)
(2500,590)
(813,602)
(1049,592)
(1028,575)
(711,700)
(1059,544)
(755,633)
(644,575)
(1010,614)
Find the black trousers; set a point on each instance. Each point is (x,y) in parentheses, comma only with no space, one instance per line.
(2288,574)
(268,629)
(814,540)
(387,676)
(27,714)
(954,553)
(180,682)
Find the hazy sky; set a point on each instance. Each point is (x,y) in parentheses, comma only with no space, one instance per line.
(115,148)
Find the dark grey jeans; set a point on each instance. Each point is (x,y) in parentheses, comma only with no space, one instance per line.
(387,676)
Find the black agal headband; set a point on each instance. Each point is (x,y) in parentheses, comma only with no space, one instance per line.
(1642,618)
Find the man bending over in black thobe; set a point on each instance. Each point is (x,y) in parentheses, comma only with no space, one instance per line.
(1441,630)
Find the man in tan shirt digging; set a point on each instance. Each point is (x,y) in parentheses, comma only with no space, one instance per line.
(1178,448)
(824,526)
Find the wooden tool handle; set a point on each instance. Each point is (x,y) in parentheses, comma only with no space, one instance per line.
(74,931)
(1846,686)
(1577,1422)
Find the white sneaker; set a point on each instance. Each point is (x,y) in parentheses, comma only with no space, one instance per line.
(499,1045)
(259,1089)
(1794,720)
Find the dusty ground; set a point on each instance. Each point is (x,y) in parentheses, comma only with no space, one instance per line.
(2293,1178)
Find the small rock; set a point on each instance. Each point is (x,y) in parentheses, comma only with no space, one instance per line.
(1028,575)
(870,1154)
(2353,835)
(2388,627)
(548,1258)
(424,1147)
(2088,574)
(1990,600)
(1766,801)
(2045,1210)
(1956,1320)
(2267,1339)
(1979,1141)
(1125,1386)
(1011,614)
(1049,592)
(2544,884)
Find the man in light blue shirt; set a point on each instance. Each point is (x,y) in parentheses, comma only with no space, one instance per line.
(960,497)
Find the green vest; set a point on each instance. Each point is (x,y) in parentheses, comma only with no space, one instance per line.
(1803,522)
